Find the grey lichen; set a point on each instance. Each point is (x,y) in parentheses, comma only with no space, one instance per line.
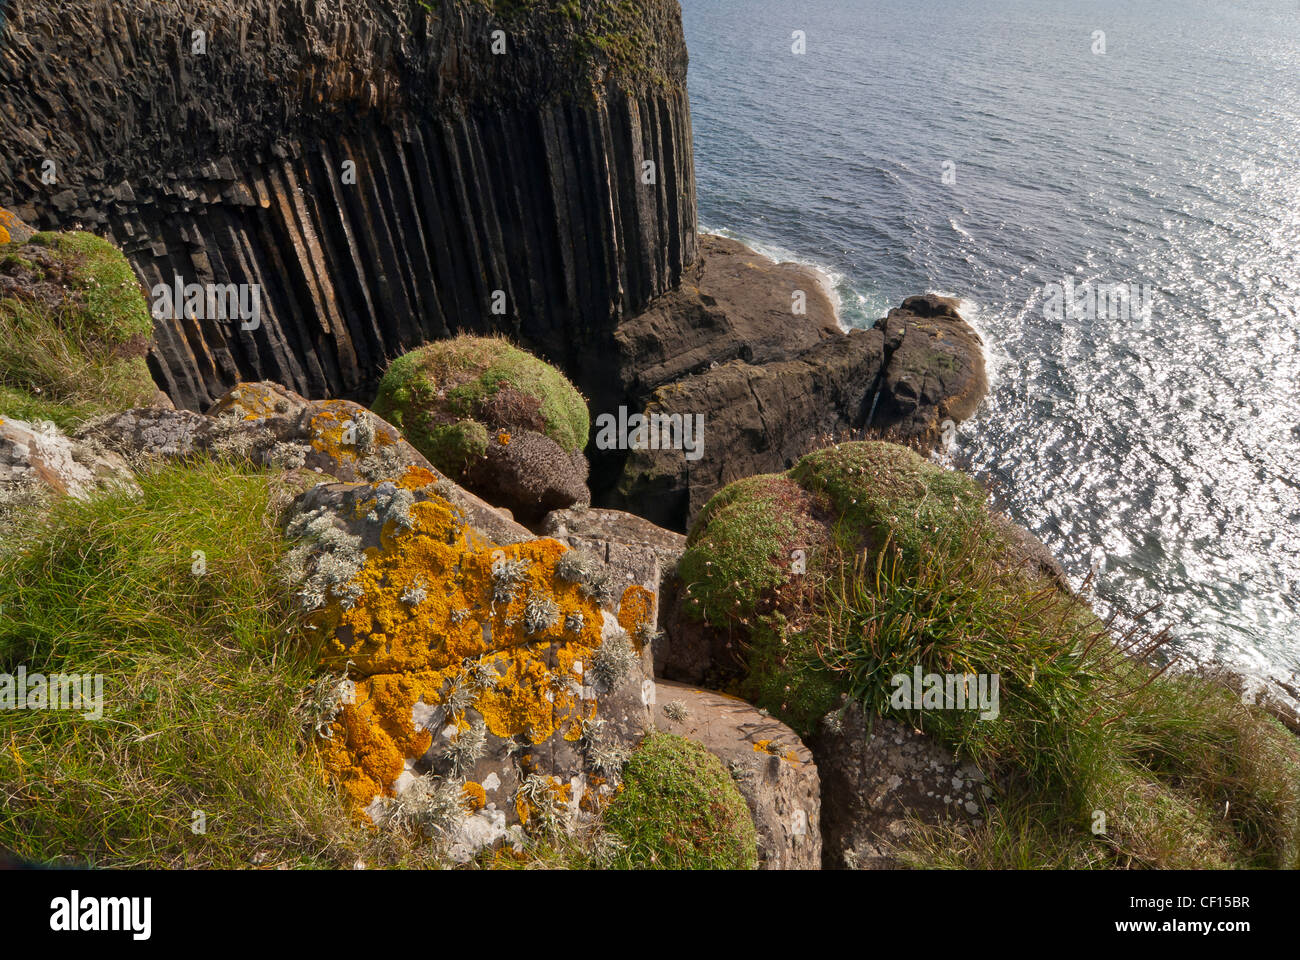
(507,576)
(676,711)
(460,695)
(482,674)
(428,805)
(578,566)
(325,700)
(467,746)
(541,613)
(547,809)
(613,659)
(324,561)
(604,756)
(415,594)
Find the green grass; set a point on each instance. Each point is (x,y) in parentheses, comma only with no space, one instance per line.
(680,810)
(201,679)
(79,353)
(915,571)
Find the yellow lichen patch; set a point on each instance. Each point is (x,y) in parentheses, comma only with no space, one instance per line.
(475,796)
(772,748)
(416,477)
(634,610)
(373,736)
(337,431)
(503,438)
(433,602)
(251,401)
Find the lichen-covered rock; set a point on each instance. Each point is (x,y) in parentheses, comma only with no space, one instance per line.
(494,418)
(38,460)
(772,768)
(600,529)
(495,689)
(13,230)
(270,426)
(880,776)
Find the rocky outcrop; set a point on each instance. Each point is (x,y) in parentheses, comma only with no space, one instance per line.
(766,385)
(376,169)
(772,768)
(490,689)
(494,418)
(269,426)
(879,779)
(602,530)
(38,461)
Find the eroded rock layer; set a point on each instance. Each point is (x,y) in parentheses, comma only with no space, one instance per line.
(376,168)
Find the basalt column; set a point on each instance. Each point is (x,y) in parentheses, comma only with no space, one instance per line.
(386,171)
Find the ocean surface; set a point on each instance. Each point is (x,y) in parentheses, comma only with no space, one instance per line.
(991,148)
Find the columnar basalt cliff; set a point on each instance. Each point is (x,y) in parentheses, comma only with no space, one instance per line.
(380,168)
(398,171)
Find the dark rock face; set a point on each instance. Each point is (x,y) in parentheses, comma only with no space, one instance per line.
(771,385)
(373,166)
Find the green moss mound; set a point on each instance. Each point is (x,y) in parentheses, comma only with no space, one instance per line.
(74,334)
(680,810)
(447,396)
(203,672)
(906,567)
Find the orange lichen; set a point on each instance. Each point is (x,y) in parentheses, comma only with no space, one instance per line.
(416,477)
(430,601)
(251,401)
(503,438)
(335,431)
(772,748)
(7,220)
(475,796)
(634,610)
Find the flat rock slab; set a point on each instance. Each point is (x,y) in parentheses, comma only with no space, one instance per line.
(878,775)
(775,772)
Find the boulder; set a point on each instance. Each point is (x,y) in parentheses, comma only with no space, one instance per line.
(773,769)
(529,473)
(495,419)
(599,528)
(12,230)
(37,460)
(270,426)
(492,689)
(768,386)
(934,370)
(878,778)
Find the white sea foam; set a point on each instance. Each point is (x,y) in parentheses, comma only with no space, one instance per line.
(831,281)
